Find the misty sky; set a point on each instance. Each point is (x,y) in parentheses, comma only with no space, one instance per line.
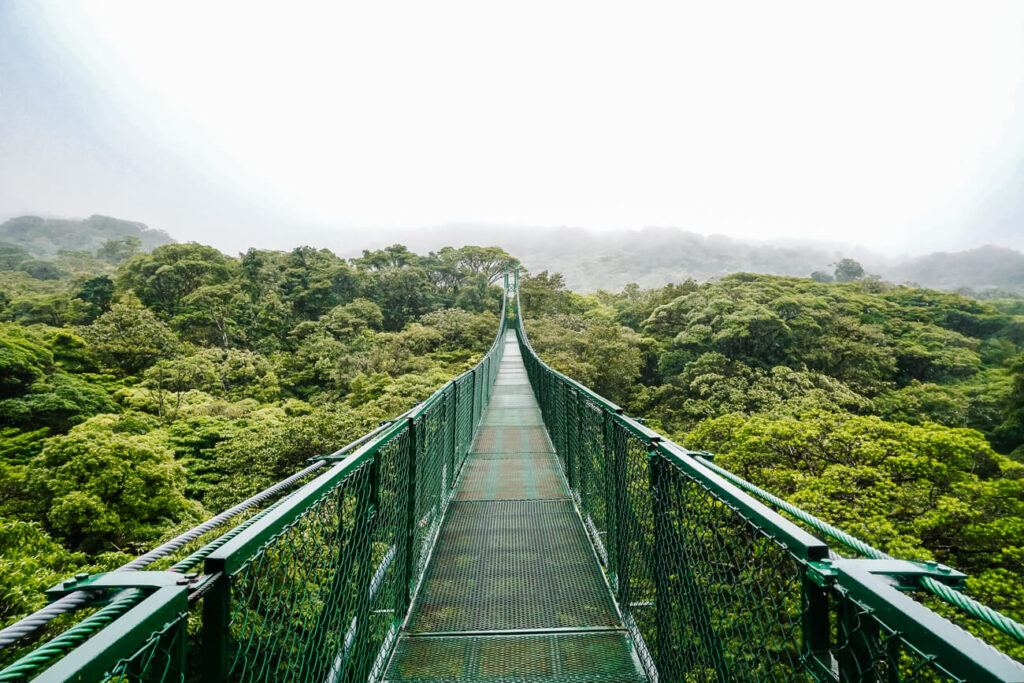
(898,126)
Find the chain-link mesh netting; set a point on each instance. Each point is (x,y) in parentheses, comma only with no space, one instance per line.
(294,600)
(867,649)
(729,596)
(161,659)
(323,598)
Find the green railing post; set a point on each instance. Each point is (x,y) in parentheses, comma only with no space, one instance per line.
(472,404)
(410,520)
(181,649)
(366,516)
(584,461)
(817,630)
(622,532)
(455,435)
(478,405)
(612,498)
(571,444)
(662,602)
(216,615)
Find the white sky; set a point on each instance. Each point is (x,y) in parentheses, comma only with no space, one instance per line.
(898,125)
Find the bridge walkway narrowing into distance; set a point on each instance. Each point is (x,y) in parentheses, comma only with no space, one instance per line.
(449,545)
(513,590)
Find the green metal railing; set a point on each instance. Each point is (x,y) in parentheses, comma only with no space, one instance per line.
(313,588)
(713,585)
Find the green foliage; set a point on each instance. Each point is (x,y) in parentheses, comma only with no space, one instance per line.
(118,250)
(315,281)
(404,295)
(107,488)
(97,292)
(275,446)
(459,264)
(227,374)
(56,402)
(45,237)
(22,361)
(867,340)
(544,294)
(12,255)
(41,270)
(714,385)
(128,338)
(857,400)
(1010,433)
(633,305)
(223,373)
(17,447)
(35,391)
(461,329)
(872,406)
(919,491)
(163,279)
(848,270)
(352,319)
(32,561)
(595,351)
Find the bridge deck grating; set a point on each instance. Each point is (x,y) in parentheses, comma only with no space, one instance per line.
(512,564)
(513,557)
(569,658)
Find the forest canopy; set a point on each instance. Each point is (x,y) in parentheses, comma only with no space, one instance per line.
(142,391)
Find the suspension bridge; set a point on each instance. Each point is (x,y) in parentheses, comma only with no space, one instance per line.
(516,526)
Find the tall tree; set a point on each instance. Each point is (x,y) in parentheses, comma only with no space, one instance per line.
(163,279)
(130,337)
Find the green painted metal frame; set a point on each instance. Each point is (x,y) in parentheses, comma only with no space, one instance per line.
(957,651)
(125,636)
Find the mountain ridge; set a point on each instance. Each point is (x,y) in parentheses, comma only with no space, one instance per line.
(44,237)
(655,256)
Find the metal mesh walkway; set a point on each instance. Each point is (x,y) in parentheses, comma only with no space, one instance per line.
(513,591)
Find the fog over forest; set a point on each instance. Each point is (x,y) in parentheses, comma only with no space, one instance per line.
(590,260)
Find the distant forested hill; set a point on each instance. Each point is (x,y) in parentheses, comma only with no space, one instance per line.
(654,257)
(983,268)
(44,237)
